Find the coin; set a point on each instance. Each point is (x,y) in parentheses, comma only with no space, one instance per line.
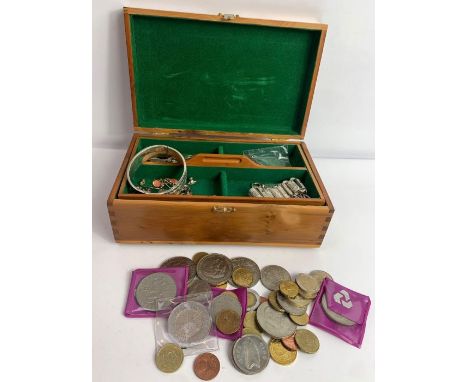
(253,300)
(276,324)
(335,316)
(280,353)
(155,286)
(301,320)
(230,293)
(246,331)
(228,321)
(307,341)
(199,286)
(181,261)
(189,323)
(250,321)
(263,299)
(222,286)
(250,354)
(225,301)
(309,285)
(272,275)
(206,366)
(320,275)
(274,302)
(289,342)
(289,288)
(198,256)
(307,296)
(300,301)
(246,263)
(242,277)
(214,268)
(169,358)
(288,306)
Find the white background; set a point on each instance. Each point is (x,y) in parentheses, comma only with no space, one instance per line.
(341,122)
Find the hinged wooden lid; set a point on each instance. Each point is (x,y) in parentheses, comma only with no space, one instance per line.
(216,75)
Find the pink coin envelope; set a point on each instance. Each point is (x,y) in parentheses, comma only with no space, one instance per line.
(178,274)
(241,294)
(345,302)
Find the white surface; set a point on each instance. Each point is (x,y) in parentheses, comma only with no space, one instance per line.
(341,122)
(123,348)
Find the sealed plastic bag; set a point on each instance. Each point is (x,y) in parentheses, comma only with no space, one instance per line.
(147,285)
(270,156)
(341,312)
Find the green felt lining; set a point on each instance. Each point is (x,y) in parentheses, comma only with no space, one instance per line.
(201,75)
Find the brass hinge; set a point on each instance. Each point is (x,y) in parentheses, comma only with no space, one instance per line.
(228,16)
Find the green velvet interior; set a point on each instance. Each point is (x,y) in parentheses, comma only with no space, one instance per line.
(223,181)
(201,75)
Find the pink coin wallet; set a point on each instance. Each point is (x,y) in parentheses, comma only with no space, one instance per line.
(346,303)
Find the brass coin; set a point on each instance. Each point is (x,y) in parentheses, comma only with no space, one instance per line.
(289,342)
(307,296)
(300,320)
(228,321)
(274,302)
(307,341)
(300,301)
(251,299)
(222,286)
(250,321)
(243,277)
(288,288)
(280,353)
(198,256)
(251,331)
(169,358)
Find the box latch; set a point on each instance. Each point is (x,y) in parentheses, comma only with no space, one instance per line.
(228,16)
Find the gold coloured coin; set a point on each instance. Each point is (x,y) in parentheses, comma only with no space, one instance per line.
(300,301)
(288,288)
(251,331)
(222,286)
(169,358)
(198,256)
(300,320)
(251,299)
(243,277)
(280,353)
(274,302)
(307,341)
(228,321)
(250,321)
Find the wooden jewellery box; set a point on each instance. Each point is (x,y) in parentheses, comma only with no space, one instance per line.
(212,87)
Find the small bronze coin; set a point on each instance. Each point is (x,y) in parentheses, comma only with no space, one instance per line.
(263,299)
(198,256)
(242,277)
(307,341)
(289,342)
(288,288)
(300,320)
(228,321)
(280,353)
(206,366)
(274,302)
(169,358)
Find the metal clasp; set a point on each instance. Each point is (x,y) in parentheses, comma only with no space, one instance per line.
(222,209)
(228,16)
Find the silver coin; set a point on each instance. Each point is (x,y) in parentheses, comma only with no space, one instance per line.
(215,269)
(335,316)
(244,262)
(289,306)
(189,323)
(199,286)
(309,285)
(152,287)
(320,275)
(181,261)
(225,301)
(272,275)
(276,324)
(250,354)
(257,300)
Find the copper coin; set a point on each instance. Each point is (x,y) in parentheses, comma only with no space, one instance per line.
(206,366)
(228,321)
(289,342)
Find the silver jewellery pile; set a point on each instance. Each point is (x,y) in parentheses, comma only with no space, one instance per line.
(161,186)
(292,188)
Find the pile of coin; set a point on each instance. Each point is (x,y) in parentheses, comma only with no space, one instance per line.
(277,316)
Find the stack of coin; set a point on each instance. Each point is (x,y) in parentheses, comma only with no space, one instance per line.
(226,311)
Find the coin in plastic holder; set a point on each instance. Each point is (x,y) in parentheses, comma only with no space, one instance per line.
(187,323)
